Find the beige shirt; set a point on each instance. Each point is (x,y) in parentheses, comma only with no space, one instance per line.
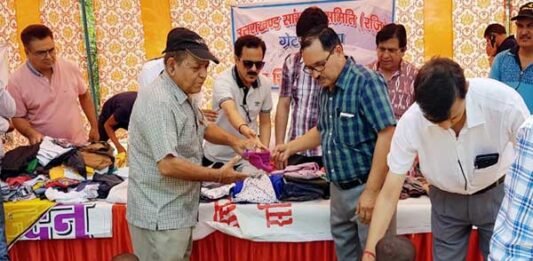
(163,122)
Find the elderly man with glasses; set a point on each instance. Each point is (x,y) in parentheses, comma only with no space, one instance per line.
(242,95)
(46,91)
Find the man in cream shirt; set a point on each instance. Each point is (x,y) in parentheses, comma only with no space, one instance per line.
(463,132)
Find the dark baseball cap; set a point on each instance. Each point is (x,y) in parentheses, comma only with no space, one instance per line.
(525,11)
(181,38)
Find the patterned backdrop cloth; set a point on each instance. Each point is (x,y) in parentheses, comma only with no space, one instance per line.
(120,37)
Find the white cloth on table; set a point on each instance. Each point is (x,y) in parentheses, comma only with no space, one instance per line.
(256,190)
(49,150)
(118,193)
(90,191)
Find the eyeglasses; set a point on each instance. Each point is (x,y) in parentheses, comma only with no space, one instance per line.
(245,108)
(319,67)
(249,64)
(42,54)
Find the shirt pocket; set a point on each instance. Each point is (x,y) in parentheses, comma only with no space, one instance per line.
(346,124)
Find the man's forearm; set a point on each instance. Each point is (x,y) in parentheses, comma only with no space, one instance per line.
(310,140)
(23,126)
(385,206)
(88,108)
(264,133)
(217,135)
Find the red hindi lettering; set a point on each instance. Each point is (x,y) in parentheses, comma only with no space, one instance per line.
(277,214)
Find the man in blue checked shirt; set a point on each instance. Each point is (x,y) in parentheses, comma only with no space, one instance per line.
(355,127)
(513,231)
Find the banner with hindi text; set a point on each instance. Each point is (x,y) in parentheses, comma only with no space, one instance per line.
(356,23)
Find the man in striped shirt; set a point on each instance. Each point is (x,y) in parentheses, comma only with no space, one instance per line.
(355,126)
(299,93)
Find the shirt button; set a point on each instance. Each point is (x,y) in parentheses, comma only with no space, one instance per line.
(329,151)
(330,98)
(330,116)
(330,134)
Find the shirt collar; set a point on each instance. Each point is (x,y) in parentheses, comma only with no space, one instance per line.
(178,93)
(344,72)
(33,70)
(241,85)
(403,64)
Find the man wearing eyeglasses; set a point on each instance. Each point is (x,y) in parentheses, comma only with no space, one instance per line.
(46,91)
(355,127)
(391,42)
(242,95)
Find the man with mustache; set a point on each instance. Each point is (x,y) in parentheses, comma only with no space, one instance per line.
(355,127)
(242,95)
(166,132)
(513,67)
(46,91)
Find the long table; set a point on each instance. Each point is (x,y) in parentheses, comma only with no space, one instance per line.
(224,233)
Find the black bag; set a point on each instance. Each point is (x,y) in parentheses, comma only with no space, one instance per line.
(15,161)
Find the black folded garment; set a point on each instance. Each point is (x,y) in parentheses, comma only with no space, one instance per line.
(107,181)
(297,189)
(15,161)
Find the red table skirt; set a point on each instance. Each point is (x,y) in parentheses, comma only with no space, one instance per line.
(215,246)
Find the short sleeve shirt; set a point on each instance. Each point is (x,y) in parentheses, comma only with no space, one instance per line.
(51,107)
(258,99)
(163,122)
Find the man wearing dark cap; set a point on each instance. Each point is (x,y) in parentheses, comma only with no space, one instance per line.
(513,67)
(165,151)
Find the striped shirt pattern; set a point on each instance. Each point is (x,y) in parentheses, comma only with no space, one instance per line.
(351,115)
(303,91)
(513,231)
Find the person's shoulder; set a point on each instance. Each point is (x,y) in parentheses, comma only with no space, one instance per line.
(20,73)
(225,79)
(487,90)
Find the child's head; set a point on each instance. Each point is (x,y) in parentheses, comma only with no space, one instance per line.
(125,257)
(395,249)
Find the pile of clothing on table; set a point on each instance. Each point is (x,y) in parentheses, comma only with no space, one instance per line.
(301,182)
(58,171)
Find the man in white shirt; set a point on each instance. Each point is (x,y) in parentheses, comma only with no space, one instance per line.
(242,95)
(463,133)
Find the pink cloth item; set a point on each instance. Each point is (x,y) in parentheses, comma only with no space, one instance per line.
(51,107)
(260,160)
(309,170)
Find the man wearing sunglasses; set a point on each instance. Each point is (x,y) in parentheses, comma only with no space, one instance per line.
(242,95)
(46,91)
(355,126)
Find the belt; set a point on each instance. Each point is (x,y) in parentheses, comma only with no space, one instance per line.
(491,186)
(351,184)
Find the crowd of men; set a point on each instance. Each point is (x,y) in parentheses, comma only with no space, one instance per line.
(367,125)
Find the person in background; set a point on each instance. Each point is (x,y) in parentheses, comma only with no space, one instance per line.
(391,42)
(47,89)
(115,115)
(497,41)
(395,248)
(465,146)
(298,95)
(513,67)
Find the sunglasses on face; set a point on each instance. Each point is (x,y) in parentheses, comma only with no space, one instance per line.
(249,64)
